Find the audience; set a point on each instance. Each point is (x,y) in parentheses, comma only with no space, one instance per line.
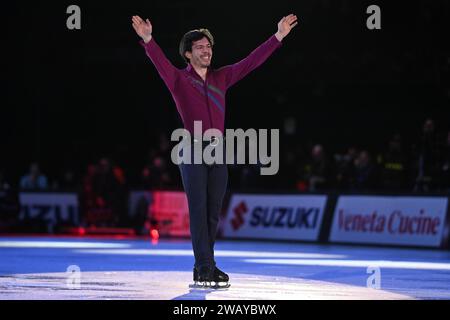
(421,166)
(34,180)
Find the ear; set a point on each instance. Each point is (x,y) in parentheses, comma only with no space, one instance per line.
(188,55)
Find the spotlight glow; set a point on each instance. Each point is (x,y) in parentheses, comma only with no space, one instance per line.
(154,234)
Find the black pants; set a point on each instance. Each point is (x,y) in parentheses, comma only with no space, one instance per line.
(205,187)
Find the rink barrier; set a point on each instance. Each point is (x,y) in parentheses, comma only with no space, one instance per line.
(398,220)
(382,219)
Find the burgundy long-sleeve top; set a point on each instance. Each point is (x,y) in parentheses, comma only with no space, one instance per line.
(198,100)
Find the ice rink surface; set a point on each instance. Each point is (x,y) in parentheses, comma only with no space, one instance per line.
(108,268)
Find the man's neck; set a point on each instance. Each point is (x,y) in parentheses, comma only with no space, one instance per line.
(201,71)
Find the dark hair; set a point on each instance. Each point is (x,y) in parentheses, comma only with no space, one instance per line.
(191,36)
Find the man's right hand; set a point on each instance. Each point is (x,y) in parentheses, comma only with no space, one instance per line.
(143,28)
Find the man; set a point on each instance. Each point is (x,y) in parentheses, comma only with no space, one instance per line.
(199,93)
(34,180)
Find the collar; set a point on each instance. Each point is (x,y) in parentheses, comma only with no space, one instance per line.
(191,70)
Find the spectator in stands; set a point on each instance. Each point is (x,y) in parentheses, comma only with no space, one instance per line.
(365,172)
(88,180)
(105,182)
(317,171)
(156,174)
(426,161)
(394,165)
(345,168)
(109,186)
(34,180)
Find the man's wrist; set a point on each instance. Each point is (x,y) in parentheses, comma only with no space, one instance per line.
(147,39)
(279,36)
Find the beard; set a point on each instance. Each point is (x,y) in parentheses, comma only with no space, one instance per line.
(204,63)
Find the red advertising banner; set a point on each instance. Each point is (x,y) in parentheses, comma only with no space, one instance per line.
(169,209)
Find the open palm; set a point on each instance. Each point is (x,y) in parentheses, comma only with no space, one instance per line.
(286,24)
(143,28)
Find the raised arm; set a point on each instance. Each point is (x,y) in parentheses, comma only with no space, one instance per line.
(239,70)
(165,68)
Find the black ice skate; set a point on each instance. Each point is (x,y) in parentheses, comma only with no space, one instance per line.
(219,279)
(203,277)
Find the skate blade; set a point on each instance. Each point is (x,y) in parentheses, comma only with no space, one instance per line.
(200,285)
(221,285)
(210,285)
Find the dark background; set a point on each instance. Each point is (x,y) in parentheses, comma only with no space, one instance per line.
(76,95)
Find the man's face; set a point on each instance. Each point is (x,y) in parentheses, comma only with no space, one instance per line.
(201,54)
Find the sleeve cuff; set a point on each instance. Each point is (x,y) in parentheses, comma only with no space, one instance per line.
(145,45)
(276,41)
